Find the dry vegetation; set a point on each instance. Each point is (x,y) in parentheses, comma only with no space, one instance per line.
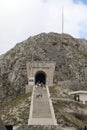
(17,111)
(68,112)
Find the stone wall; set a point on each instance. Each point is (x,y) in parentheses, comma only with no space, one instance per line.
(47,68)
(39,127)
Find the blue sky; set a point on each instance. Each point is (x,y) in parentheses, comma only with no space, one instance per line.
(20,19)
(83,1)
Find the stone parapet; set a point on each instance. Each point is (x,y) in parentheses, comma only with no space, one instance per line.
(40,127)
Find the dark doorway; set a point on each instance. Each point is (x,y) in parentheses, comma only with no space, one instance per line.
(40,77)
(9,127)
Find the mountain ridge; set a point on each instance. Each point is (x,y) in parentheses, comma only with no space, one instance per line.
(70,55)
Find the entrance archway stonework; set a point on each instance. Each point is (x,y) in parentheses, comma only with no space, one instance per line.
(33,68)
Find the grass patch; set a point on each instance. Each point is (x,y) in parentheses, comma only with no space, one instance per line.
(15,102)
(24,115)
(16,111)
(69,118)
(53,91)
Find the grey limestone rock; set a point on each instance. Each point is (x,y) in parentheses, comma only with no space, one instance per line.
(70,55)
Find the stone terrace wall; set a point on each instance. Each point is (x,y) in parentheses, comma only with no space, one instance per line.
(40,127)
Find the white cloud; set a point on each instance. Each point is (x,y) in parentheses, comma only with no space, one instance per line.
(75,18)
(20,19)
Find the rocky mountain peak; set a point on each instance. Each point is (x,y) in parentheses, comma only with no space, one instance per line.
(70,55)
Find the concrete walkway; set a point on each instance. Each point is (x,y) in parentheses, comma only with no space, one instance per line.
(41,111)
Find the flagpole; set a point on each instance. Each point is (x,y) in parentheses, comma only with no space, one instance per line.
(62,19)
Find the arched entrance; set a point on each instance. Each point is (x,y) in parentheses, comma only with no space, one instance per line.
(40,77)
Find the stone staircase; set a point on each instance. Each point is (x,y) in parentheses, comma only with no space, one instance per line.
(41,110)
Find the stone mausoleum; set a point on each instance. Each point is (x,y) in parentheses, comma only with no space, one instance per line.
(42,72)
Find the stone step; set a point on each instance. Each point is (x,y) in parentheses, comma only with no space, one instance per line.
(41,108)
(41,121)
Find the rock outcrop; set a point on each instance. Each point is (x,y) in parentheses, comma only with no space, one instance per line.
(70,55)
